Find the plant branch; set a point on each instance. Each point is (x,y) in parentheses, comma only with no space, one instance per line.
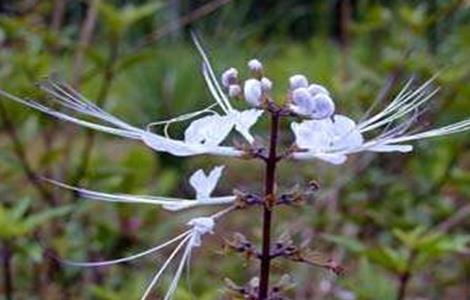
(7,276)
(108,77)
(86,33)
(270,181)
(405,277)
(198,13)
(20,153)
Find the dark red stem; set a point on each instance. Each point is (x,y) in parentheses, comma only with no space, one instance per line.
(270,181)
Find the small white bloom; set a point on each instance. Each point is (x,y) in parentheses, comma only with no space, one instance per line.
(332,142)
(210,130)
(266,84)
(255,66)
(329,138)
(234,90)
(229,77)
(253,92)
(298,81)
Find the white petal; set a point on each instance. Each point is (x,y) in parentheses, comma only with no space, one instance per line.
(313,134)
(205,185)
(244,120)
(209,130)
(391,148)
(186,204)
(345,134)
(335,159)
(175,147)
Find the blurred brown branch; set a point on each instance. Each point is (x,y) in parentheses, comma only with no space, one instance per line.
(20,153)
(198,13)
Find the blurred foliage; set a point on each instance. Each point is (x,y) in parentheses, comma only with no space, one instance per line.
(382,216)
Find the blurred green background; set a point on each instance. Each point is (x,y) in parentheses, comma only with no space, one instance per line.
(392,220)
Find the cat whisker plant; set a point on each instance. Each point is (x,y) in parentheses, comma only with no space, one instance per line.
(319,133)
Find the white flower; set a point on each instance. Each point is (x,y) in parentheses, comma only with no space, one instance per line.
(332,140)
(202,184)
(327,136)
(298,81)
(187,241)
(203,136)
(253,92)
(255,66)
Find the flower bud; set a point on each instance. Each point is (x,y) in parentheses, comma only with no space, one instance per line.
(315,89)
(255,66)
(298,81)
(229,77)
(323,107)
(253,92)
(234,90)
(318,107)
(302,101)
(266,84)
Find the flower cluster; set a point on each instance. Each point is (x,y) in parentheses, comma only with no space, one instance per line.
(319,133)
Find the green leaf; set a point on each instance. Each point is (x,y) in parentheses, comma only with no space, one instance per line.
(346,242)
(40,218)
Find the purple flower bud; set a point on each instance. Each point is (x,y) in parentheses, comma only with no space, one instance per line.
(302,101)
(323,107)
(318,107)
(315,89)
(253,92)
(266,84)
(298,81)
(255,66)
(234,90)
(229,77)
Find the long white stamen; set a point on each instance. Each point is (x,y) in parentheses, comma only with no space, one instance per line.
(157,276)
(212,88)
(127,258)
(168,203)
(401,105)
(446,130)
(405,109)
(128,133)
(181,118)
(211,71)
(174,282)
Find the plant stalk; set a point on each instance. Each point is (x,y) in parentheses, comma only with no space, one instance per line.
(270,181)
(7,272)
